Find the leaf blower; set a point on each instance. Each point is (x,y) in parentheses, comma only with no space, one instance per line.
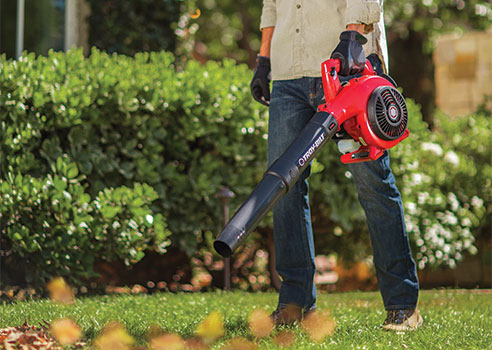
(369,108)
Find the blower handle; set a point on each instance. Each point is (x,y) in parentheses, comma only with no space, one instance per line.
(331,80)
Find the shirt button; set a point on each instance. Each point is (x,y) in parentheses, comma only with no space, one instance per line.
(298,6)
(297,30)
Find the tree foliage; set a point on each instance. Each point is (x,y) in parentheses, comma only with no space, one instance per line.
(434,17)
(128,27)
(231,28)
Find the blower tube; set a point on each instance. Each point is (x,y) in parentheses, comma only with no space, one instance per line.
(277,181)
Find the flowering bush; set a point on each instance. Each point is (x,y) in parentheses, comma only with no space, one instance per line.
(445,180)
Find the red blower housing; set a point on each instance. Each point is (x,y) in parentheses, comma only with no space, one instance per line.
(371,110)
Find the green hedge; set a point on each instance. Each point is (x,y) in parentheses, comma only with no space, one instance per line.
(111,156)
(114,122)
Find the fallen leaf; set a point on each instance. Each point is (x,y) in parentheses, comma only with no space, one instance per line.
(27,337)
(239,344)
(260,323)
(65,331)
(319,325)
(167,342)
(114,337)
(212,328)
(60,291)
(284,338)
(195,344)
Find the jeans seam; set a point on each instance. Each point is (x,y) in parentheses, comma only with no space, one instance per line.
(307,257)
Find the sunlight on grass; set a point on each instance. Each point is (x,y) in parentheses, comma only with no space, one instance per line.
(238,320)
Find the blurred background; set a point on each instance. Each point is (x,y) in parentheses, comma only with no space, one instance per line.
(440,53)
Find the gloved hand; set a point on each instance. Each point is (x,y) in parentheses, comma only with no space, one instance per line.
(377,66)
(350,53)
(260,84)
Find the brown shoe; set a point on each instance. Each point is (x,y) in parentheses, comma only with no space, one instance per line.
(288,314)
(402,320)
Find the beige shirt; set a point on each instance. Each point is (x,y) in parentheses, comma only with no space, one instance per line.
(307,31)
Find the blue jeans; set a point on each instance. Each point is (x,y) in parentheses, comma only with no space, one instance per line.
(293,103)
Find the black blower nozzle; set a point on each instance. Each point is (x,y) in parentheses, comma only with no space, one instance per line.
(277,181)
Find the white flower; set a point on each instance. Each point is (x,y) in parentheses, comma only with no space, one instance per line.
(477,202)
(149,218)
(432,147)
(411,208)
(452,157)
(449,218)
(453,200)
(417,178)
(422,197)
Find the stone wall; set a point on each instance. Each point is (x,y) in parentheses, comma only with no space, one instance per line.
(463,72)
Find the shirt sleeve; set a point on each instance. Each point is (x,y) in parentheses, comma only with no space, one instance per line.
(363,11)
(268,14)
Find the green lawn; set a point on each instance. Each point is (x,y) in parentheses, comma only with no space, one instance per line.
(453,319)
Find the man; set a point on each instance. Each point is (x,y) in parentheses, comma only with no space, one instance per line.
(297,36)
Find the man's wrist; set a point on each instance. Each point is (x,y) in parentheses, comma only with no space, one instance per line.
(362,28)
(359,27)
(266,40)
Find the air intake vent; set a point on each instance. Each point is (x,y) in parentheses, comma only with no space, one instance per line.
(387,113)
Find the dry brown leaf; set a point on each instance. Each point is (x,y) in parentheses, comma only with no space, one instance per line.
(195,344)
(27,337)
(239,344)
(65,331)
(167,342)
(284,338)
(260,323)
(319,325)
(212,328)
(60,291)
(114,337)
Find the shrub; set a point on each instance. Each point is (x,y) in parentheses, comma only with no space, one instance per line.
(117,122)
(446,184)
(51,226)
(444,177)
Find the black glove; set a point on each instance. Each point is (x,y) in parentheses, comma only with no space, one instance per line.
(350,52)
(377,66)
(260,85)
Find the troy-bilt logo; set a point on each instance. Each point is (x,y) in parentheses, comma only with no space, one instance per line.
(307,155)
